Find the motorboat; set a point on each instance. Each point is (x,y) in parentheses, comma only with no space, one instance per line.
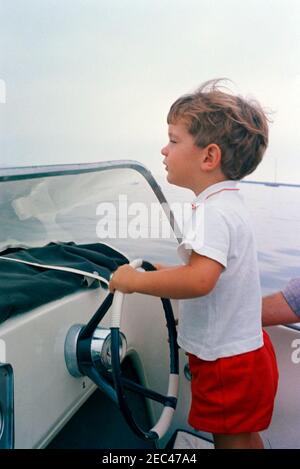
(79,366)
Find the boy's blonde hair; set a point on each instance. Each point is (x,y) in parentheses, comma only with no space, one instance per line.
(238,126)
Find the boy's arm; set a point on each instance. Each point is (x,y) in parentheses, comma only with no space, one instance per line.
(195,279)
(161,266)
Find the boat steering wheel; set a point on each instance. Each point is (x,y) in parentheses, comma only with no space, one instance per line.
(82,354)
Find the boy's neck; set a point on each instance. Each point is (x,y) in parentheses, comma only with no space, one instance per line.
(202,185)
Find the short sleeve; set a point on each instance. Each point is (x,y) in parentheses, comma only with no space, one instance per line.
(291,293)
(208,234)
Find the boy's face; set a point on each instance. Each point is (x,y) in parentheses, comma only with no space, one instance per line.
(182,157)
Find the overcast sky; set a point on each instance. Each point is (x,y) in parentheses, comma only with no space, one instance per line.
(92,80)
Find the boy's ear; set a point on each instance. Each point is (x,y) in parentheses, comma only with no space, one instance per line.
(211,157)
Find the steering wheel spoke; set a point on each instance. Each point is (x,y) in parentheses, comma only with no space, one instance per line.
(148,393)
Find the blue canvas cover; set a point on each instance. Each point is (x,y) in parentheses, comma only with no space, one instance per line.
(24,287)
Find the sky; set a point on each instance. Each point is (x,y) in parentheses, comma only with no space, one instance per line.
(92,80)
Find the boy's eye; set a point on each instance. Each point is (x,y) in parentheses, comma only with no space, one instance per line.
(173,141)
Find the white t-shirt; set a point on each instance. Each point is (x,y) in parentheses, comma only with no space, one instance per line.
(227,321)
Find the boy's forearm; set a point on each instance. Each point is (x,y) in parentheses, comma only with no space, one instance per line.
(174,282)
(163,266)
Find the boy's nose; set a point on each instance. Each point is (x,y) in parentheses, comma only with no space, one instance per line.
(164,151)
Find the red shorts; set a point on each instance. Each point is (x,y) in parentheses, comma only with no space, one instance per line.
(234,394)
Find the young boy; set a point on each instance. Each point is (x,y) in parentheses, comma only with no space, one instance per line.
(215,139)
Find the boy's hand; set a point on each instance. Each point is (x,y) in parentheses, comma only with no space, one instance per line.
(123,279)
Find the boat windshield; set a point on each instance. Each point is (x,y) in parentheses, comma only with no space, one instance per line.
(113,205)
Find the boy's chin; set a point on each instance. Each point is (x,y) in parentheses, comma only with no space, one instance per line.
(170,179)
(174,182)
